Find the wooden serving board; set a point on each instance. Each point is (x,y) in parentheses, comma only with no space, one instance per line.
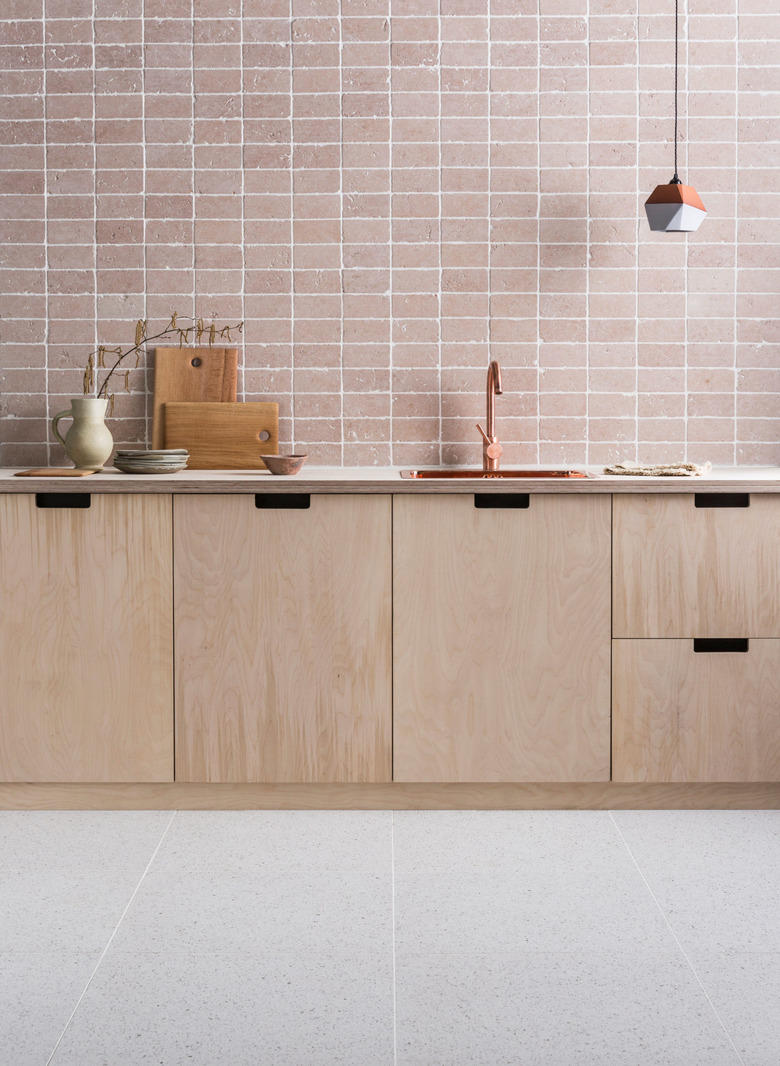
(190,375)
(223,436)
(54,471)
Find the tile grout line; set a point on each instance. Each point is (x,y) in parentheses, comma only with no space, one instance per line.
(242,127)
(341,229)
(293,444)
(148,377)
(735,379)
(111,938)
(440,224)
(191,146)
(538,301)
(490,342)
(392,918)
(589,216)
(637,232)
(390,220)
(676,939)
(46,249)
(686,246)
(94,219)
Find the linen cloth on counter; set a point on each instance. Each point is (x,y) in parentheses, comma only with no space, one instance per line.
(661,470)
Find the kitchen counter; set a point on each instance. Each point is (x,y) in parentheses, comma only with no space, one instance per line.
(258,650)
(325,479)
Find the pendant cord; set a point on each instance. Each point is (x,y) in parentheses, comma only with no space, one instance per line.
(676,178)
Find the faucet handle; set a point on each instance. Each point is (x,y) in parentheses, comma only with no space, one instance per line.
(493,449)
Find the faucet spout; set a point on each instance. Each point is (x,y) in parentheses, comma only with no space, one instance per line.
(493,389)
(491,449)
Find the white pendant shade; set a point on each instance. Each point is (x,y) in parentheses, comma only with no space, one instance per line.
(675,208)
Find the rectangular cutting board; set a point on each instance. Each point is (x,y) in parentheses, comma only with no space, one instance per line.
(190,375)
(223,436)
(52,471)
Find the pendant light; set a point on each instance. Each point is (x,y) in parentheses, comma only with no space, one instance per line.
(675,208)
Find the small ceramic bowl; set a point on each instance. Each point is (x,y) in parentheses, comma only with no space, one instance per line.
(284,464)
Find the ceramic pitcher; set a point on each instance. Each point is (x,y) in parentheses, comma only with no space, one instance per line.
(88,442)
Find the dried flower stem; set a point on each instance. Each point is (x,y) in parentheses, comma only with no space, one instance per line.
(198,329)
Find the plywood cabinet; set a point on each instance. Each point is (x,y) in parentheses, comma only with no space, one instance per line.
(682,570)
(704,569)
(685,716)
(501,639)
(371,638)
(283,639)
(86,681)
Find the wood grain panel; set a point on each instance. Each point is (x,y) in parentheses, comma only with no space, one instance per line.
(283,640)
(197,797)
(86,640)
(684,571)
(191,375)
(681,716)
(501,640)
(223,436)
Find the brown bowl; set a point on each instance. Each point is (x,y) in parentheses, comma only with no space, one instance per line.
(284,464)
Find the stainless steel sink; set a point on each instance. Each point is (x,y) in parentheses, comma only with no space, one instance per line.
(492,474)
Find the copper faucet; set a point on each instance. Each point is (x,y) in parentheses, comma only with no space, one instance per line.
(491,449)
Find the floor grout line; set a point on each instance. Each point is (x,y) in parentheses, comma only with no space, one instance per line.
(110,939)
(392,918)
(683,952)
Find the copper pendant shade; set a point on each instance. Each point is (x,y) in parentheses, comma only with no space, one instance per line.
(675,208)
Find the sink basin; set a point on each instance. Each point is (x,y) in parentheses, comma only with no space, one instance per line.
(482,474)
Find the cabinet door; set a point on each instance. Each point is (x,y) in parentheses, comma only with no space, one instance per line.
(283,639)
(688,571)
(86,671)
(501,639)
(686,716)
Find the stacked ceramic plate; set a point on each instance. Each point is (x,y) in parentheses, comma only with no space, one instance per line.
(164,461)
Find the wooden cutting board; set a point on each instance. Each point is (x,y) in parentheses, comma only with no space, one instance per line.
(223,436)
(189,375)
(53,471)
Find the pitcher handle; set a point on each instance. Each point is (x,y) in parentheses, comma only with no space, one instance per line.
(55,420)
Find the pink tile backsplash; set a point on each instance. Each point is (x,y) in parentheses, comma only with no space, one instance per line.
(390,193)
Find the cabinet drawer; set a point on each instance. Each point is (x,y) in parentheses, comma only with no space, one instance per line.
(682,715)
(682,570)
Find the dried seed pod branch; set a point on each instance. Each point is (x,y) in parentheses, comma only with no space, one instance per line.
(97,359)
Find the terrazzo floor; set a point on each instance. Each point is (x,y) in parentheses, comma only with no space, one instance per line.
(297,938)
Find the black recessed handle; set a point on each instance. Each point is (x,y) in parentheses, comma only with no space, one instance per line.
(721,499)
(79,500)
(496,501)
(283,501)
(718,644)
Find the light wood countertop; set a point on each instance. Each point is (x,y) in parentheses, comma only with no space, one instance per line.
(389,480)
